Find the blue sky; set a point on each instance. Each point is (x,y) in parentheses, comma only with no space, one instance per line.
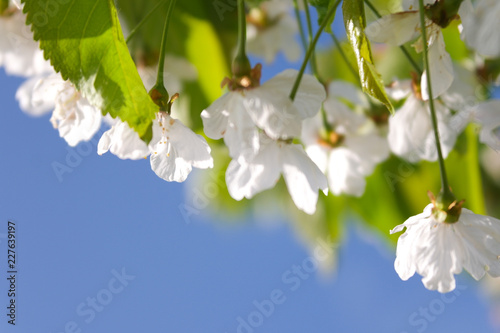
(110,218)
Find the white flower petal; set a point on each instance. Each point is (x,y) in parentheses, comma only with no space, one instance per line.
(215,116)
(123,142)
(37,95)
(399,89)
(242,136)
(319,155)
(345,120)
(302,177)
(168,164)
(488,115)
(441,67)
(80,124)
(480,26)
(190,147)
(394,29)
(411,134)
(344,174)
(20,54)
(247,179)
(279,35)
(310,93)
(178,150)
(371,148)
(438,251)
(273,112)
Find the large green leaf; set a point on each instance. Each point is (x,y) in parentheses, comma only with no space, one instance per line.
(355,24)
(84,42)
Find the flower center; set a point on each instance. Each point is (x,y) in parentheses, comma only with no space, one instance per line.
(331,139)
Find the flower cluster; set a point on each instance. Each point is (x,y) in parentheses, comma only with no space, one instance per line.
(445,238)
(320,135)
(174,149)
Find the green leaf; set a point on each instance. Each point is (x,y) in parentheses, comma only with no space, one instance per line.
(323,6)
(84,42)
(355,23)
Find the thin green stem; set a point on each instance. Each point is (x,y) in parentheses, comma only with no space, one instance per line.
(310,35)
(163,48)
(310,50)
(444,180)
(299,23)
(401,47)
(242,28)
(144,20)
(241,64)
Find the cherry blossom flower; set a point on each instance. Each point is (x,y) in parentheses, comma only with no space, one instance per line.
(351,150)
(400,28)
(487,114)
(480,26)
(19,54)
(271,29)
(437,250)
(174,148)
(274,158)
(239,114)
(123,141)
(411,135)
(75,118)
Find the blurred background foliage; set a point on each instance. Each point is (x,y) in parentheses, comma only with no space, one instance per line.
(204,33)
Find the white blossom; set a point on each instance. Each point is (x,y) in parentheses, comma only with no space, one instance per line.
(174,149)
(271,29)
(487,114)
(123,141)
(75,118)
(438,250)
(411,134)
(274,158)
(481,26)
(238,115)
(352,149)
(400,28)
(19,54)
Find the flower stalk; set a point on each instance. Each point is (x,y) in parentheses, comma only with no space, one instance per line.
(310,35)
(241,65)
(144,20)
(310,49)
(159,93)
(445,197)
